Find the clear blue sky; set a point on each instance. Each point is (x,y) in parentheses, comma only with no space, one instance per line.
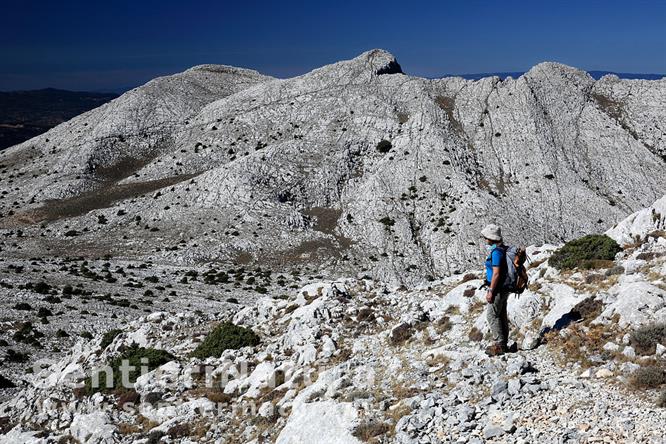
(89,45)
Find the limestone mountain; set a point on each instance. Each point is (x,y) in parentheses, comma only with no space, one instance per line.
(354,166)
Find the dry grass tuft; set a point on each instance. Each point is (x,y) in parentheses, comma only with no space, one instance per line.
(475,335)
(648,377)
(580,342)
(366,431)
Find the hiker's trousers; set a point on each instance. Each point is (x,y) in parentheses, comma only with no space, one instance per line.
(498,321)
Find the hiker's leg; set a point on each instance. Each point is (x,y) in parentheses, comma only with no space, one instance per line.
(493,315)
(503,317)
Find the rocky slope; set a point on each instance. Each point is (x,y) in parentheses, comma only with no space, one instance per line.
(356,360)
(353,166)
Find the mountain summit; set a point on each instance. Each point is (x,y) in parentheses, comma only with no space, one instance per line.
(353,166)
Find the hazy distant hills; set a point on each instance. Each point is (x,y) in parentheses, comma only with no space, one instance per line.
(595,74)
(26,114)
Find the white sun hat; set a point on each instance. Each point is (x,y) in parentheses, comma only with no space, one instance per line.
(492,232)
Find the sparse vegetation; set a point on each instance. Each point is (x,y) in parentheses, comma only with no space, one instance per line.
(648,377)
(645,339)
(225,336)
(475,335)
(136,357)
(368,430)
(15,356)
(384,146)
(108,337)
(22,306)
(586,252)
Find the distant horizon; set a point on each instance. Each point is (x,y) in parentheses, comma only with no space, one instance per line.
(596,74)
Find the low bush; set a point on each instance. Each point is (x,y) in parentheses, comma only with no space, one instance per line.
(22,306)
(648,377)
(108,337)
(384,146)
(42,288)
(15,356)
(645,339)
(137,358)
(127,399)
(44,312)
(225,336)
(592,251)
(6,383)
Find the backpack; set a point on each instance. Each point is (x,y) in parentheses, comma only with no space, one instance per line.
(515,277)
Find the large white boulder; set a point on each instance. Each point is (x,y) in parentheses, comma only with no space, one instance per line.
(92,428)
(322,422)
(636,303)
(637,226)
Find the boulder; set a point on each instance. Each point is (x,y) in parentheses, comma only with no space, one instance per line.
(93,428)
(323,422)
(636,227)
(636,303)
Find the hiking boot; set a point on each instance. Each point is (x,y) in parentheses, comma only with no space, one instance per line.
(496,349)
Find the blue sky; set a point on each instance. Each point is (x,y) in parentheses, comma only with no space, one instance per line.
(108,45)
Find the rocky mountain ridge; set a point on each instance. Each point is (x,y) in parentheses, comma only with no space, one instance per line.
(355,168)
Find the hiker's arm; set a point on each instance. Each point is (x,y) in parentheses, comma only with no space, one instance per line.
(494,284)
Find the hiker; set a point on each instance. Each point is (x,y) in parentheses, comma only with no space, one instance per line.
(497,295)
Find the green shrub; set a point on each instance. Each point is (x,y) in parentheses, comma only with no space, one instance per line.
(646,338)
(586,252)
(22,306)
(225,336)
(136,357)
(108,337)
(86,334)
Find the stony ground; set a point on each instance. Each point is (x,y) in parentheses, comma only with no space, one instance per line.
(353,360)
(334,214)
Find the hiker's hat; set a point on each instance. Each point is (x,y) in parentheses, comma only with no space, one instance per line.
(492,232)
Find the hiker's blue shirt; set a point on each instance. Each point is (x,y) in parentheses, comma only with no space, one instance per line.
(494,259)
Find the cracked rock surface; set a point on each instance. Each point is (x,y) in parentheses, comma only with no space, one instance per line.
(353,166)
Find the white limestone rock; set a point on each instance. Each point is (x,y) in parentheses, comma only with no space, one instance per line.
(636,227)
(323,422)
(93,428)
(637,303)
